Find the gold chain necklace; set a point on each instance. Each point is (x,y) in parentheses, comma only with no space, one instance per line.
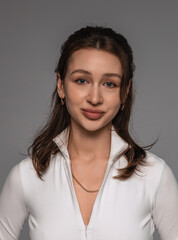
(83,186)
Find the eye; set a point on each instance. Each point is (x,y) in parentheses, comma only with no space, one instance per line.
(81,81)
(110,84)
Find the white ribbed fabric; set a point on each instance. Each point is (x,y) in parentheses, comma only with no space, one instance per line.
(123,210)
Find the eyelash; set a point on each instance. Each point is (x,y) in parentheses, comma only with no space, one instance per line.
(81,79)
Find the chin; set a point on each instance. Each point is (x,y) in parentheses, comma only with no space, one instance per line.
(93,126)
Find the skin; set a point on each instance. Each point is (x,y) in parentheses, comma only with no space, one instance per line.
(92,81)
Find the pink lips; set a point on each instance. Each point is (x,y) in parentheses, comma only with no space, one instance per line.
(92,114)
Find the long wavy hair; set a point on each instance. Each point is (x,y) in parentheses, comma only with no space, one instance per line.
(105,39)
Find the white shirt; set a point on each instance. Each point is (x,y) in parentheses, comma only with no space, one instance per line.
(123,210)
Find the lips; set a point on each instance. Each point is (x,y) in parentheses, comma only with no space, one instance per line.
(93,110)
(92,114)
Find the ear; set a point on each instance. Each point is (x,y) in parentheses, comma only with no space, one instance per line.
(60,86)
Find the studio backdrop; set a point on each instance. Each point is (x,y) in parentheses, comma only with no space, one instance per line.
(31,35)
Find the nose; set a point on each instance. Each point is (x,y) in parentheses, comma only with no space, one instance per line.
(94,95)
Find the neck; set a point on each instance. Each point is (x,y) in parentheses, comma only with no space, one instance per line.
(87,145)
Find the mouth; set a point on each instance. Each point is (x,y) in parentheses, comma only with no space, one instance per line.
(92,114)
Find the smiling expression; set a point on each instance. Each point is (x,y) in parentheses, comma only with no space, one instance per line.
(91,88)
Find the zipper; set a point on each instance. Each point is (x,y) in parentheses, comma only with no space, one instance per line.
(119,154)
(112,162)
(86,232)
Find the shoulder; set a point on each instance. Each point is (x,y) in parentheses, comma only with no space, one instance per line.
(16,171)
(28,173)
(156,167)
(157,172)
(154,159)
(13,184)
(154,164)
(26,166)
(159,166)
(27,169)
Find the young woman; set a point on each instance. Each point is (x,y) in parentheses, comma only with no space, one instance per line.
(85,177)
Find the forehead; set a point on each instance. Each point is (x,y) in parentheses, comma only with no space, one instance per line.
(95,60)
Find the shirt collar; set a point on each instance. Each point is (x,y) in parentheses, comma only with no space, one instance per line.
(118,145)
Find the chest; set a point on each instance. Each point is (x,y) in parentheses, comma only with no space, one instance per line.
(86,201)
(109,213)
(87,189)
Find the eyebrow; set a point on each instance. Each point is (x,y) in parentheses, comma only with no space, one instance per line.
(105,74)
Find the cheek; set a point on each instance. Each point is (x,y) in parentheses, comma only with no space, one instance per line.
(115,109)
(114,100)
(114,105)
(73,99)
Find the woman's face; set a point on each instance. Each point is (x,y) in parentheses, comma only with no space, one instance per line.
(92,88)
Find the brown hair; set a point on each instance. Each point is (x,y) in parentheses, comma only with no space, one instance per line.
(101,38)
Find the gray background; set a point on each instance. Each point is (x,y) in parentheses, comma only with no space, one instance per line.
(31,35)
